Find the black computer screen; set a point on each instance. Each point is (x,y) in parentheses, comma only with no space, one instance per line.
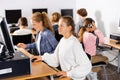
(6,36)
(67,12)
(40,10)
(12,16)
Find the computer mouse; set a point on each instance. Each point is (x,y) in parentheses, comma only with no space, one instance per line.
(33,60)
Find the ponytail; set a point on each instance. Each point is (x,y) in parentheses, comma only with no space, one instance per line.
(37,16)
(46,22)
(80,34)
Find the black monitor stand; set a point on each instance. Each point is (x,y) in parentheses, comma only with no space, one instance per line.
(13,27)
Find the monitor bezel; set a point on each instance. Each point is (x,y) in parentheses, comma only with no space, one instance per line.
(67,10)
(13,14)
(40,10)
(6,37)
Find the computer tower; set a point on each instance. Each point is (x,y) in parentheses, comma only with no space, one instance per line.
(115,36)
(19,65)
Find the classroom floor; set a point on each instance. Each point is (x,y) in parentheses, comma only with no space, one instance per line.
(111,68)
(111,73)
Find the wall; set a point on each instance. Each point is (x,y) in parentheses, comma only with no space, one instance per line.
(28,5)
(106,13)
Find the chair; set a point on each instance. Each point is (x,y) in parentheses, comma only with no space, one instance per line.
(100,61)
(22,39)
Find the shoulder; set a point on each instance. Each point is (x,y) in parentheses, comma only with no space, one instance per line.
(47,33)
(17,32)
(75,42)
(88,35)
(97,31)
(73,39)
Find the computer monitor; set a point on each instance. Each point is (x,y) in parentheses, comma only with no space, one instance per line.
(40,10)
(12,16)
(6,37)
(67,12)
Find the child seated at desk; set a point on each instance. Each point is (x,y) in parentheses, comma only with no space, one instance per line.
(69,53)
(90,37)
(23,25)
(45,39)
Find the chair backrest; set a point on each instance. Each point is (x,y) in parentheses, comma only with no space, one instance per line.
(22,39)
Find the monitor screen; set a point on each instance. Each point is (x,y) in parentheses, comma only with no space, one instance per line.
(12,16)
(6,36)
(40,10)
(67,12)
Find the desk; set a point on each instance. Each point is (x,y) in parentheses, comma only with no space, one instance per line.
(113,44)
(39,69)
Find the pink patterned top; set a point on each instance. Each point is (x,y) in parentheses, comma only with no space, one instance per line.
(89,42)
(100,36)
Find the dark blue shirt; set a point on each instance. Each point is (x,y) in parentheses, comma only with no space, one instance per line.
(57,35)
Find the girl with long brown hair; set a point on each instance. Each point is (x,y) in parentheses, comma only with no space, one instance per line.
(45,39)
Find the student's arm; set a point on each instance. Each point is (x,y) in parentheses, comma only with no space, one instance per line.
(31,45)
(83,64)
(100,36)
(52,59)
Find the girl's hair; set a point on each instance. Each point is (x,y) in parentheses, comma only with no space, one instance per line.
(87,24)
(80,34)
(23,21)
(70,22)
(55,17)
(37,16)
(82,12)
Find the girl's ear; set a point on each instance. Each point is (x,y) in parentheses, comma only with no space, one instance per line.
(70,27)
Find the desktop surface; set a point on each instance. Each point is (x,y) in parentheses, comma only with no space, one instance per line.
(39,69)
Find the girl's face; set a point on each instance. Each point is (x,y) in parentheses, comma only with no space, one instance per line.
(36,25)
(93,26)
(63,28)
